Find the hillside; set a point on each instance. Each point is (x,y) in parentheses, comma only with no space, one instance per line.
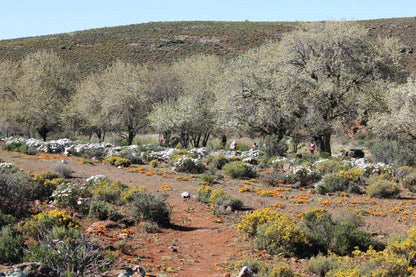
(166,41)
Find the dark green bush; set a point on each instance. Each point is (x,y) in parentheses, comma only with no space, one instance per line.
(239,170)
(147,207)
(218,161)
(275,147)
(63,170)
(383,189)
(68,195)
(189,165)
(224,201)
(16,146)
(302,178)
(68,251)
(340,237)
(104,211)
(209,178)
(17,191)
(11,245)
(333,183)
(393,152)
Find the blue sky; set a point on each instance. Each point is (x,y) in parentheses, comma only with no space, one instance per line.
(23,18)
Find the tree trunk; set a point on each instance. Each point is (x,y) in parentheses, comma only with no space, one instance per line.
(205,139)
(131,135)
(99,134)
(324,143)
(184,139)
(43,132)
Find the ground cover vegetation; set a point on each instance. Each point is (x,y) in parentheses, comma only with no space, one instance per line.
(312,84)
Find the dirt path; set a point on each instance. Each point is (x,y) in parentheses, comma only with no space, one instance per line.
(194,246)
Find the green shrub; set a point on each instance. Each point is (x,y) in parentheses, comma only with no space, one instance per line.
(47,182)
(147,207)
(104,211)
(383,189)
(208,178)
(189,165)
(223,201)
(340,237)
(283,270)
(68,251)
(302,178)
(320,265)
(239,170)
(68,195)
(16,146)
(325,155)
(204,193)
(332,183)
(11,245)
(393,152)
(17,192)
(154,163)
(118,161)
(274,232)
(45,221)
(329,166)
(409,182)
(63,170)
(108,191)
(6,219)
(218,161)
(151,227)
(275,147)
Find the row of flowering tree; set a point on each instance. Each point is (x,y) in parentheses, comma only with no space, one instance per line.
(313,79)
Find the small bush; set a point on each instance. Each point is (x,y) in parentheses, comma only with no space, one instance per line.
(325,155)
(218,161)
(63,170)
(150,227)
(275,147)
(17,192)
(320,265)
(146,207)
(224,202)
(118,161)
(68,251)
(189,165)
(108,192)
(329,166)
(6,219)
(302,178)
(208,178)
(409,182)
(283,270)
(11,245)
(16,146)
(154,163)
(104,211)
(68,195)
(204,193)
(44,221)
(239,170)
(393,152)
(48,182)
(340,237)
(383,189)
(332,183)
(274,232)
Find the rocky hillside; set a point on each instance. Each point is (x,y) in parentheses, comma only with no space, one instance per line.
(167,41)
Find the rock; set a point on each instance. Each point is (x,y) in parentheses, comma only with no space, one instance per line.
(355,153)
(245,272)
(186,195)
(30,270)
(139,269)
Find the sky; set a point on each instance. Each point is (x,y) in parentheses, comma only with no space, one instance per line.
(25,18)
